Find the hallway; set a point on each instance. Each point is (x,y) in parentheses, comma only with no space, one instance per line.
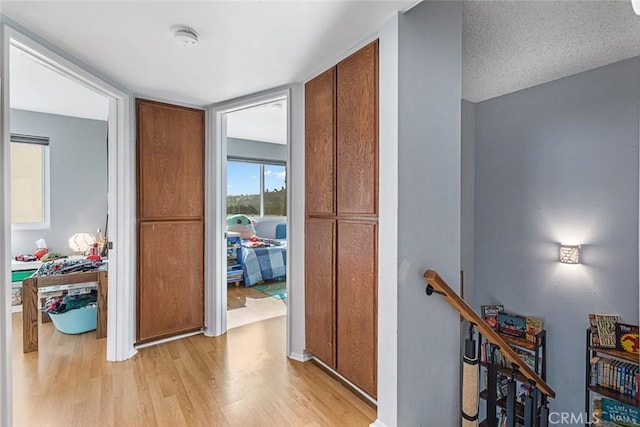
(240,379)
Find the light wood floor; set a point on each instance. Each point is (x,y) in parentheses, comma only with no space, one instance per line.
(240,379)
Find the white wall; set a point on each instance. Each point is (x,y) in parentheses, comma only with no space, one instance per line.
(78,177)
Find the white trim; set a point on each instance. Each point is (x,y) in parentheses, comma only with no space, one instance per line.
(355,387)
(46,197)
(169,339)
(388,263)
(216,204)
(121,310)
(377,423)
(168,101)
(301,357)
(6,377)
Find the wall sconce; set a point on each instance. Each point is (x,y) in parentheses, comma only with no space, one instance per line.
(570,254)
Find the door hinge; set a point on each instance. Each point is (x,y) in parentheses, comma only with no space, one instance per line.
(109,245)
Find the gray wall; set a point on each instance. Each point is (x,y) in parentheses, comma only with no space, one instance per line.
(78,165)
(559,163)
(429,79)
(467,206)
(256,150)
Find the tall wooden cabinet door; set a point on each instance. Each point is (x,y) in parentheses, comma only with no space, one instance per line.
(170,172)
(320,289)
(170,279)
(170,161)
(357,283)
(320,119)
(357,133)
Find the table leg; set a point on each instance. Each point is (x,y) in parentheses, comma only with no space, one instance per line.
(30,315)
(103,284)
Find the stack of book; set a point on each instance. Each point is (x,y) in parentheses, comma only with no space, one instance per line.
(615,374)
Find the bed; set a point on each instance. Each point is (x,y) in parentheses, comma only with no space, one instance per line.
(263,263)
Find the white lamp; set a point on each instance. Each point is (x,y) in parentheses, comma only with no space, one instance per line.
(570,254)
(636,6)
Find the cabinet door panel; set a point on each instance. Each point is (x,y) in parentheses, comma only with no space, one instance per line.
(320,115)
(357,133)
(170,161)
(171,279)
(320,289)
(357,303)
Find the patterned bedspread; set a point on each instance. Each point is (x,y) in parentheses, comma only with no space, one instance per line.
(264,263)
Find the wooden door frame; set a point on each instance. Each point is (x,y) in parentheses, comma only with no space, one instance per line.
(121,202)
(216,206)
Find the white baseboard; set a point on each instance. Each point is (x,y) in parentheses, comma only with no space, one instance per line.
(304,357)
(164,340)
(377,423)
(353,386)
(132,353)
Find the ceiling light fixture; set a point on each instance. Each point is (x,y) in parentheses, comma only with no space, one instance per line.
(185,36)
(636,6)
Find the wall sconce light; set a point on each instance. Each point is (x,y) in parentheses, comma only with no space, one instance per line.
(570,254)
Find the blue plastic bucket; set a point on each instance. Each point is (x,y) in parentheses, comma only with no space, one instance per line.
(77,321)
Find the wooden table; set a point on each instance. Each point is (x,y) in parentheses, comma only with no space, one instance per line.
(32,285)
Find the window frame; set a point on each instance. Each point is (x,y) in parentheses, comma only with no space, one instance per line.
(261,163)
(45,224)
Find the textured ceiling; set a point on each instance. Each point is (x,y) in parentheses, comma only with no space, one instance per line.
(512,45)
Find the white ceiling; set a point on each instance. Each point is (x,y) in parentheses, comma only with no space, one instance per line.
(249,46)
(266,123)
(36,87)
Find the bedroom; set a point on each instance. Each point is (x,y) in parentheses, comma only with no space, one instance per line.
(59,164)
(256,209)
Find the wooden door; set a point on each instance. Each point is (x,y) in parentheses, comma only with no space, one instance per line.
(357,133)
(320,119)
(357,300)
(170,172)
(320,289)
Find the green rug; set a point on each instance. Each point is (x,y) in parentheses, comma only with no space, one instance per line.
(275,289)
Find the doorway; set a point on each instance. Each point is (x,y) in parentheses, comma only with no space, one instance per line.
(256,209)
(252,141)
(120,159)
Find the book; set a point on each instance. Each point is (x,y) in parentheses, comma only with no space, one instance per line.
(490,314)
(627,338)
(593,325)
(534,327)
(606,326)
(619,413)
(512,325)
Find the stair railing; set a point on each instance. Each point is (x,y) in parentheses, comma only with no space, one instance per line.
(533,414)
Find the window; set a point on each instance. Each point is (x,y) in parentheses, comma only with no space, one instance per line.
(256,189)
(29,182)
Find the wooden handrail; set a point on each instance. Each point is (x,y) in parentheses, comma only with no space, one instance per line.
(492,336)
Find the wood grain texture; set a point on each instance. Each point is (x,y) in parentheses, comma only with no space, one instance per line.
(489,333)
(171,279)
(242,378)
(357,133)
(170,161)
(320,128)
(30,288)
(357,286)
(320,290)
(30,315)
(103,292)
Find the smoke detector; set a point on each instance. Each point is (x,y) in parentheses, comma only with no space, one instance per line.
(185,36)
